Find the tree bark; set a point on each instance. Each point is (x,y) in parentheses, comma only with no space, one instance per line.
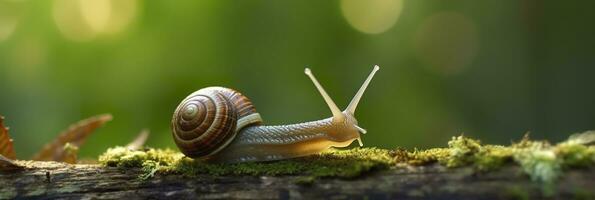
(59,180)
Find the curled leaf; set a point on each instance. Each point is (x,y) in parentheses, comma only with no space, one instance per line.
(139,141)
(6,147)
(76,135)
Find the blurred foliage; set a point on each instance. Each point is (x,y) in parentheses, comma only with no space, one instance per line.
(493,70)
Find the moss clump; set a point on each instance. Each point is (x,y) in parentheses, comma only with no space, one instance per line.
(576,151)
(422,157)
(576,155)
(461,151)
(540,160)
(124,157)
(335,163)
(537,159)
(545,162)
(491,157)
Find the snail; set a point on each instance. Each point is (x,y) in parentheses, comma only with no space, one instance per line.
(218,124)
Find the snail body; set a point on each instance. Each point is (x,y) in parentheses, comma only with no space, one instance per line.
(221,125)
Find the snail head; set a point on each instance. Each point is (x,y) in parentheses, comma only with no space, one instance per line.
(346,124)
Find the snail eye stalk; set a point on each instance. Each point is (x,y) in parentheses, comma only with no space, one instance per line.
(353,104)
(337,114)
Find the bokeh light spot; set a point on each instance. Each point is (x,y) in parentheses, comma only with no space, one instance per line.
(371,16)
(96,13)
(82,20)
(68,17)
(446,42)
(7,27)
(122,14)
(8,20)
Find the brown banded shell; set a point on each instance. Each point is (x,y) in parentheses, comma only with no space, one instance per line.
(208,120)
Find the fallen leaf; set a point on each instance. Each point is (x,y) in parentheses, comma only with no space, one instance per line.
(139,141)
(76,135)
(6,147)
(8,164)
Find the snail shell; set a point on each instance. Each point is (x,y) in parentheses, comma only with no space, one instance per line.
(207,120)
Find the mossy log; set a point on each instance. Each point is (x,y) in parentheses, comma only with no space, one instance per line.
(60,180)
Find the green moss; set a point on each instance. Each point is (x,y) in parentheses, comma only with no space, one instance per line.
(336,163)
(492,157)
(540,160)
(575,154)
(422,157)
(149,168)
(545,162)
(462,151)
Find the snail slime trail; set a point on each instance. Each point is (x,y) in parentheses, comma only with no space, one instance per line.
(220,124)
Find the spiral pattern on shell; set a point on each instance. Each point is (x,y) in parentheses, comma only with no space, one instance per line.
(208,120)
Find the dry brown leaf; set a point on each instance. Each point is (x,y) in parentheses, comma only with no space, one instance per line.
(76,135)
(6,147)
(8,164)
(139,141)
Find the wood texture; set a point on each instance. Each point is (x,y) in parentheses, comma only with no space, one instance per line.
(59,180)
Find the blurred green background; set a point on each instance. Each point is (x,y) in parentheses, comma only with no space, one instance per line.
(491,69)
